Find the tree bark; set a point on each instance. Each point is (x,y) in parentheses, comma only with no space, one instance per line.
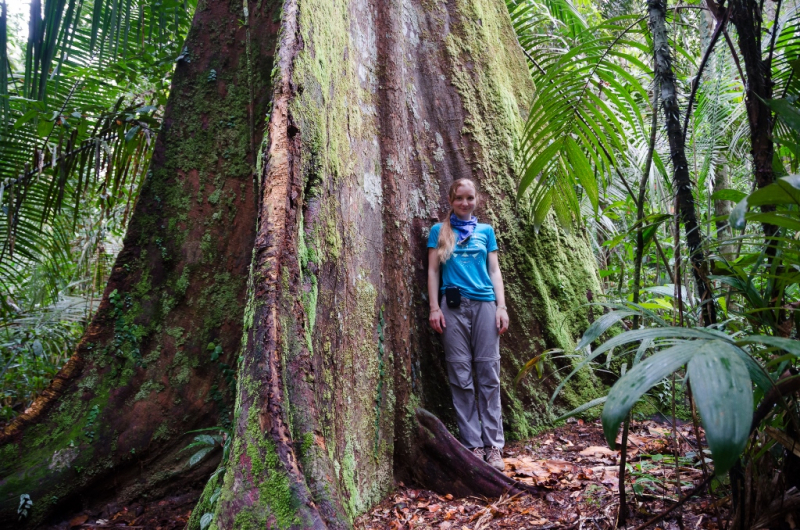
(722,209)
(746,16)
(376,107)
(112,424)
(680,168)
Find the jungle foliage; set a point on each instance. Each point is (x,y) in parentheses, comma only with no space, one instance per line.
(650,120)
(80,103)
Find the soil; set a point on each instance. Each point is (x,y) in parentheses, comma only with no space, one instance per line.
(572,465)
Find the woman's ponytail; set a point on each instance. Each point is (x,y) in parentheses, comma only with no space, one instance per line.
(447,239)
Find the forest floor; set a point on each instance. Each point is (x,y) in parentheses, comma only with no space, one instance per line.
(572,465)
(578,476)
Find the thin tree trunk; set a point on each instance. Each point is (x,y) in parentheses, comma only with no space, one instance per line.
(722,209)
(746,16)
(681,180)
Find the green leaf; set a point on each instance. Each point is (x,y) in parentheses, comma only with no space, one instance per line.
(600,326)
(205,521)
(632,386)
(787,111)
(783,191)
(215,495)
(724,397)
(205,439)
(583,408)
(199,455)
(583,170)
(536,362)
(792,223)
(728,195)
(25,118)
(131,133)
(788,345)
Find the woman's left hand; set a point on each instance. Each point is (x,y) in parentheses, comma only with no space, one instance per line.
(501,318)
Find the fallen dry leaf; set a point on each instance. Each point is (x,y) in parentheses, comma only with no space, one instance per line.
(78,520)
(598,450)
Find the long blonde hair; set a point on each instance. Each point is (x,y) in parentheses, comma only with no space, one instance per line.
(447,238)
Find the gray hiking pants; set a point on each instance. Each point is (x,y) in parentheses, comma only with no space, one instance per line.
(472,351)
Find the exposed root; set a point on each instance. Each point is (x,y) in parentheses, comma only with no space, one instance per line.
(443,465)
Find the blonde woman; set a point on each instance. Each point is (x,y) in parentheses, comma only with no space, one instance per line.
(469,310)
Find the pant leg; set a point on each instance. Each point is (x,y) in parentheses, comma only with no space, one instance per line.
(458,354)
(485,343)
(457,333)
(487,374)
(463,391)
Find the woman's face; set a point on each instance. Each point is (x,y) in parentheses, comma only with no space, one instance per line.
(464,202)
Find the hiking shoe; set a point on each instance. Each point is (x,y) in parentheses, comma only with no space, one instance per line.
(495,459)
(479,452)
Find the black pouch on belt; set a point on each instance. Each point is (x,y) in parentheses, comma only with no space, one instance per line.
(453,296)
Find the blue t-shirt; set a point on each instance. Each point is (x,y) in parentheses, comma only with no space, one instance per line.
(467,268)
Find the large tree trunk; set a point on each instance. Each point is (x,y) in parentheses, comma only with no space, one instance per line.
(376,107)
(379,106)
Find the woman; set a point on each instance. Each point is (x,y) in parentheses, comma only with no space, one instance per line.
(466,253)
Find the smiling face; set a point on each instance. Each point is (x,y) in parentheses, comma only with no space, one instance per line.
(464,200)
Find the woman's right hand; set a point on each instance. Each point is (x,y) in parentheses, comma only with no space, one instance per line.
(436,320)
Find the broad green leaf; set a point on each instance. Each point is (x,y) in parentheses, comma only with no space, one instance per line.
(131,133)
(600,326)
(783,191)
(773,218)
(660,333)
(789,345)
(205,439)
(728,195)
(637,335)
(724,397)
(25,118)
(583,408)
(633,385)
(215,495)
(205,521)
(199,455)
(789,113)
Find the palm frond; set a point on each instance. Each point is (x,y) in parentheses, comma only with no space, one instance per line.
(587,104)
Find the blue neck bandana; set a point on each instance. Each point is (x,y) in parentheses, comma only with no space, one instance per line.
(463,229)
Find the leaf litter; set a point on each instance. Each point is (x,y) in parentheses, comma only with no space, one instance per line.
(573,466)
(578,475)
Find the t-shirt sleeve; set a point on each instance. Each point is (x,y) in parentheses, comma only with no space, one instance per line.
(491,242)
(433,237)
